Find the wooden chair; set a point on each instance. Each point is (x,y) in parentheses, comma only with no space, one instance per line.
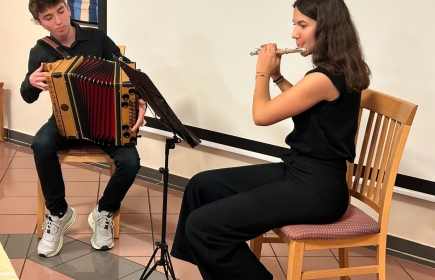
(386,121)
(86,153)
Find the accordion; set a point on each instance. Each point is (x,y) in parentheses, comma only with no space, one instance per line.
(92,99)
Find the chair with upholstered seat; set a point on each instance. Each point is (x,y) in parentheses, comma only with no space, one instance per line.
(87,153)
(386,121)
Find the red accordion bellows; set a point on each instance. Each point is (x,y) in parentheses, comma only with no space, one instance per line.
(93,99)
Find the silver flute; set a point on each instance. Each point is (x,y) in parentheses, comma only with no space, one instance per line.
(281,51)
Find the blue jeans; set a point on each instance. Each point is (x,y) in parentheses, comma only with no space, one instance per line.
(47,142)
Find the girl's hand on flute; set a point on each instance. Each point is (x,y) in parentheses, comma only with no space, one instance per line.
(268,61)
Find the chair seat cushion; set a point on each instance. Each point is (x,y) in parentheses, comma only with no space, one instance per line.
(83,149)
(353,223)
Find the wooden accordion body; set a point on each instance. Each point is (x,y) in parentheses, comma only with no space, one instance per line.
(93,100)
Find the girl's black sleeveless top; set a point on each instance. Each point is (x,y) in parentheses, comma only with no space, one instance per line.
(327,130)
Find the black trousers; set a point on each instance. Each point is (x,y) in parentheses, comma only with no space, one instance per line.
(222,209)
(46,144)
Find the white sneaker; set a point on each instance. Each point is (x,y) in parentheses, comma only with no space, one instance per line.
(54,229)
(102,226)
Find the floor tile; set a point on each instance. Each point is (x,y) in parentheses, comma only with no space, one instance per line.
(417,271)
(82,175)
(80,226)
(2,172)
(82,204)
(393,269)
(274,267)
(137,190)
(312,263)
(18,265)
(13,205)
(8,150)
(134,245)
(98,266)
(23,149)
(183,270)
(24,153)
(69,251)
(81,188)
(12,188)
(157,190)
(135,205)
(5,161)
(135,223)
(155,275)
(17,224)
(22,162)
(33,270)
(171,222)
(18,245)
(82,237)
(173,204)
(20,175)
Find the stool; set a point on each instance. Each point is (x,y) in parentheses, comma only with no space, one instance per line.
(84,153)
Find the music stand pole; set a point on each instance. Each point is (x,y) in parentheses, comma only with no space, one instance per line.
(146,89)
(165,259)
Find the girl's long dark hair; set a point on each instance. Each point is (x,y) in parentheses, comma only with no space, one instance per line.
(338,47)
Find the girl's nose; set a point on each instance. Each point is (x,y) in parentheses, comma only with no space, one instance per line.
(295,33)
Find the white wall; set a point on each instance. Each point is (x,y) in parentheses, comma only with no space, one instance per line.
(197,54)
(411,218)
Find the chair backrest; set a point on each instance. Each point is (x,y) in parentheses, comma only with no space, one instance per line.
(386,121)
(122,49)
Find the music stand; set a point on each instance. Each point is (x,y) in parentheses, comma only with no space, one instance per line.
(146,89)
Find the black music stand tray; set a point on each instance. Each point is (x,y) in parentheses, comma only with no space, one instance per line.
(146,89)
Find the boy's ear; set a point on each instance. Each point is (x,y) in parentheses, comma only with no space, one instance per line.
(35,21)
(68,8)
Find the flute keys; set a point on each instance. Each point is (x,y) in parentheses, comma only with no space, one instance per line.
(255,51)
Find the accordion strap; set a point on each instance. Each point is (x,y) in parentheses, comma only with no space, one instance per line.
(53,47)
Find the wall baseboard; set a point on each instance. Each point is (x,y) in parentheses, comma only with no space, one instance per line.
(396,246)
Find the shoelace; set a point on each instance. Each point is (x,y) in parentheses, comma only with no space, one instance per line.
(106,221)
(50,226)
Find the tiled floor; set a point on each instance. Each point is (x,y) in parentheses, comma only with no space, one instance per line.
(140,228)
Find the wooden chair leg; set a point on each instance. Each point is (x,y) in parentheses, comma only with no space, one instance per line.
(295,260)
(381,256)
(117,215)
(116,224)
(255,245)
(40,207)
(343,259)
(112,168)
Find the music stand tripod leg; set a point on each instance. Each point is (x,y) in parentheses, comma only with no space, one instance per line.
(165,259)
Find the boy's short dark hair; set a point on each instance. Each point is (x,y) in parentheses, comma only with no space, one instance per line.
(38,6)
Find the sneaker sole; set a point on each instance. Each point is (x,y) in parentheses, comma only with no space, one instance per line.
(92,225)
(67,226)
